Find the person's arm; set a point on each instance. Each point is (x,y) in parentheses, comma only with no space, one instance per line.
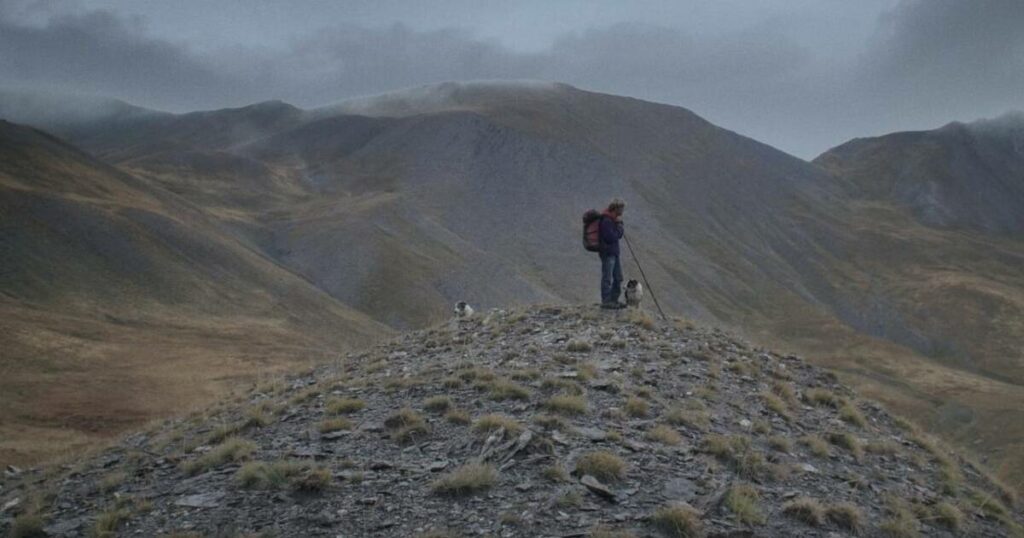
(611,231)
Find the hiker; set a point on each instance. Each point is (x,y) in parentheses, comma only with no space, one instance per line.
(610,231)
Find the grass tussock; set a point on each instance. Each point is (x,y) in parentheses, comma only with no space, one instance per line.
(641,318)
(779,443)
(678,521)
(335,424)
(846,516)
(406,426)
(438,404)
(816,445)
(108,522)
(267,475)
(852,415)
(602,531)
(493,422)
(231,450)
(569,499)
(567,404)
(466,480)
(777,405)
(457,416)
(822,398)
(744,502)
(602,465)
(949,516)
(555,473)
(901,523)
(882,448)
(849,442)
(636,407)
(738,452)
(805,509)
(567,386)
(504,389)
(785,391)
(665,435)
(551,422)
(112,481)
(578,346)
(694,419)
(28,525)
(342,406)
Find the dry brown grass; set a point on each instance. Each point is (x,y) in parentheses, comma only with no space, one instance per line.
(489,423)
(232,449)
(466,480)
(738,452)
(555,473)
(503,389)
(847,516)
(665,435)
(335,424)
(744,502)
(849,442)
(566,404)
(805,509)
(406,426)
(851,414)
(578,346)
(816,445)
(28,525)
(949,516)
(457,416)
(777,405)
(438,404)
(636,407)
(695,419)
(822,398)
(780,444)
(602,465)
(602,531)
(678,521)
(338,406)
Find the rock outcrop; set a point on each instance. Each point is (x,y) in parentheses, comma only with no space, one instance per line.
(550,421)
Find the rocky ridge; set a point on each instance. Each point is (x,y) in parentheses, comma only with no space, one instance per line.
(549,421)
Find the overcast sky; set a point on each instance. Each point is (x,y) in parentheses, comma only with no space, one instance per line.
(801,75)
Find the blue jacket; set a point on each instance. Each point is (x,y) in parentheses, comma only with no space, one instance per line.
(610,232)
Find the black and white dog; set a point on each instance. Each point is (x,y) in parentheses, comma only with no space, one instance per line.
(463,310)
(634,293)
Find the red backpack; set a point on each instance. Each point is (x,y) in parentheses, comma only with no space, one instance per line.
(592,230)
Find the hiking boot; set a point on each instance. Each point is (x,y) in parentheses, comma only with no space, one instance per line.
(610,306)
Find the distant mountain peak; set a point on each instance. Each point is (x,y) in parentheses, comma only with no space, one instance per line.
(445,96)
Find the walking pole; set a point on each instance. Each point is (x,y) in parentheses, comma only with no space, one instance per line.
(644,276)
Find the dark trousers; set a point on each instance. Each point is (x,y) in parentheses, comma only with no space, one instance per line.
(611,279)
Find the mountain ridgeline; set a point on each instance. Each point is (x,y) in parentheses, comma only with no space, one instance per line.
(546,421)
(895,261)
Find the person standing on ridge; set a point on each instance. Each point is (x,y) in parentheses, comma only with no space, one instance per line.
(610,232)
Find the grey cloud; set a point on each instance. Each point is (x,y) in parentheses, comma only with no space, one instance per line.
(949,52)
(930,62)
(99,52)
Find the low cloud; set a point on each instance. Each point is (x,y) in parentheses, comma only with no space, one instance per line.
(931,61)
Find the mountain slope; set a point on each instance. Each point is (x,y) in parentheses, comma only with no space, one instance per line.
(121,301)
(399,205)
(549,421)
(967,176)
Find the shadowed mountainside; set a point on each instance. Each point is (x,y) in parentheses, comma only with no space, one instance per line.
(398,205)
(121,301)
(961,176)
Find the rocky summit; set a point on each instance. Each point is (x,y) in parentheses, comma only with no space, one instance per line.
(547,421)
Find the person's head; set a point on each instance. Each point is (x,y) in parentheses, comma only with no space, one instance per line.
(616,206)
